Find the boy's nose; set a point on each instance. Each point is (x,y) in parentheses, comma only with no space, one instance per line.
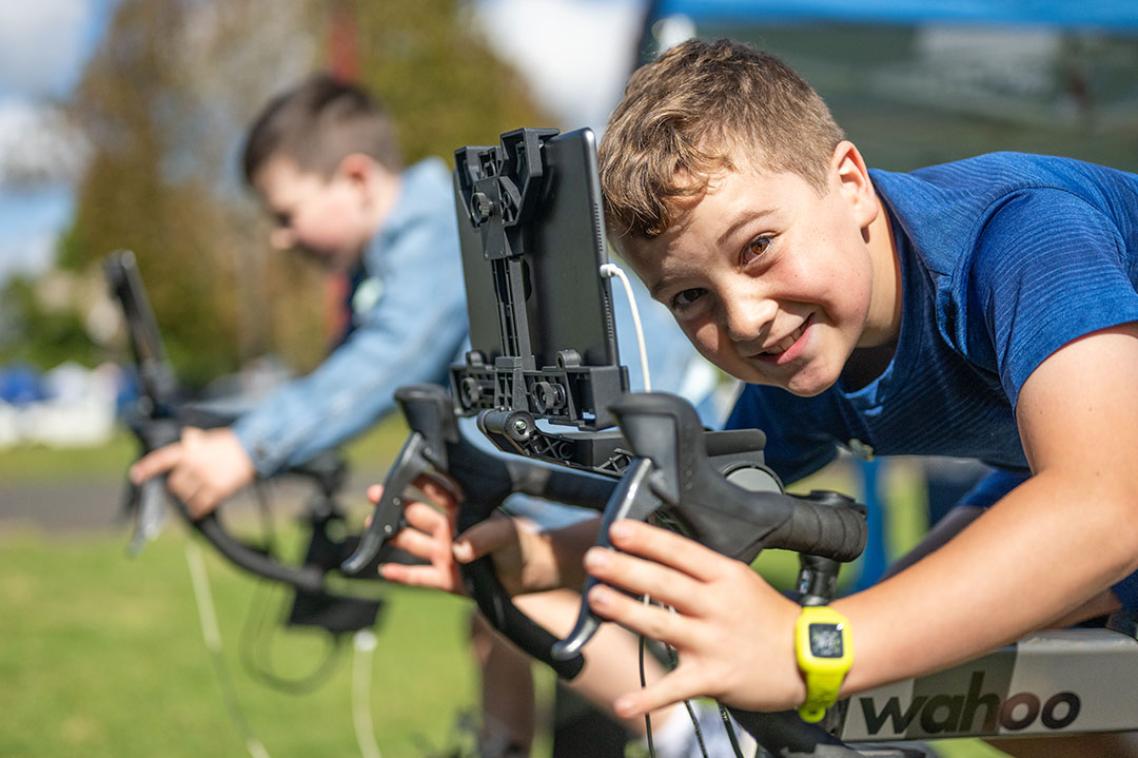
(282,238)
(749,320)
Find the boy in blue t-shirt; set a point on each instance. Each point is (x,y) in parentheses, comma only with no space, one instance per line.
(984,308)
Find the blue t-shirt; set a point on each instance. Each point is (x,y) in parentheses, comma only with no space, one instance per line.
(1004,258)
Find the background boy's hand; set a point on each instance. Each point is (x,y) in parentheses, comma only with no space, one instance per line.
(733,632)
(202,470)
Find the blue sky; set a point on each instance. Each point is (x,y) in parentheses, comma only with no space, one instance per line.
(43,46)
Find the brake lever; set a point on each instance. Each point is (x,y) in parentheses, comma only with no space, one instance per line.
(633,499)
(387,518)
(145,505)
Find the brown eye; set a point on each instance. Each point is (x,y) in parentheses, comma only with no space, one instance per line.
(756,248)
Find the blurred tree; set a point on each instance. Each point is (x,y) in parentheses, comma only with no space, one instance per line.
(62,334)
(444,85)
(164,103)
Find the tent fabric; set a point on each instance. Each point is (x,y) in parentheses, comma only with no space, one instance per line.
(1114,15)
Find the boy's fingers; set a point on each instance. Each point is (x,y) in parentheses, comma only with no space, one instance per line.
(675,687)
(158,462)
(192,434)
(645,577)
(441,490)
(668,548)
(374,493)
(484,538)
(424,518)
(417,576)
(202,502)
(415,542)
(653,621)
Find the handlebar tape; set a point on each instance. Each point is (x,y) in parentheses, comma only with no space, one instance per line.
(305,578)
(727,518)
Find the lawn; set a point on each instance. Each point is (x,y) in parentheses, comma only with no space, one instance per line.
(103,655)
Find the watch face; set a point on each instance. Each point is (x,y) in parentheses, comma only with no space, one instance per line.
(826,640)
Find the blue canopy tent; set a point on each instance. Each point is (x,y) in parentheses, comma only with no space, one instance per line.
(1115,15)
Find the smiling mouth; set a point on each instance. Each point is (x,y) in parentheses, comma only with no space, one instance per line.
(787,342)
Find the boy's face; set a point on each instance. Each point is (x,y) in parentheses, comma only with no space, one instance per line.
(771,281)
(325,218)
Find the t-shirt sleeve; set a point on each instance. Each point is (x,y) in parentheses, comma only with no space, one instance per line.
(789,454)
(1047,268)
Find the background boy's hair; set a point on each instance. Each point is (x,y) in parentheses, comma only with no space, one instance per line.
(317,124)
(685,115)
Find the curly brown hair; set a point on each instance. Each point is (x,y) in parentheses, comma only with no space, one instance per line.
(685,115)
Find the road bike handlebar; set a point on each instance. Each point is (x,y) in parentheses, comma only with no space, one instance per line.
(158,421)
(672,475)
(436,448)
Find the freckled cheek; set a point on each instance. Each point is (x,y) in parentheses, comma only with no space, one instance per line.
(708,339)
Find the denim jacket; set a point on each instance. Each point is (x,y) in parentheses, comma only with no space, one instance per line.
(408,321)
(409,325)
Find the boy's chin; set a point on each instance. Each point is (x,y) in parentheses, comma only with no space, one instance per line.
(801,384)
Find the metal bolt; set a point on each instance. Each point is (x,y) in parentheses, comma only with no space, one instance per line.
(482,206)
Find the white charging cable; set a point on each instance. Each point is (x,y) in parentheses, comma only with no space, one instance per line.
(207,616)
(364,643)
(611,270)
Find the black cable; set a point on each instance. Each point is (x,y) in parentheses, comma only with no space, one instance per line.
(723,714)
(255,645)
(674,661)
(647,714)
(268,526)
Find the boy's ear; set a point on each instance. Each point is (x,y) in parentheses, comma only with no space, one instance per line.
(357,167)
(849,173)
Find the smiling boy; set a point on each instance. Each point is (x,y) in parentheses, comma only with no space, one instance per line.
(984,309)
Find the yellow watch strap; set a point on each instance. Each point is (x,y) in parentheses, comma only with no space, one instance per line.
(824,649)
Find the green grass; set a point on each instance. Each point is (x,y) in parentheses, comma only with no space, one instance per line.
(103,656)
(36,463)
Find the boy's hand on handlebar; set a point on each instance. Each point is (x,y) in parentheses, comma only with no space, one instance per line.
(202,470)
(734,633)
(426,535)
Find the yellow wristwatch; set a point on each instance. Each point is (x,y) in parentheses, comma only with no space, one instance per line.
(823,645)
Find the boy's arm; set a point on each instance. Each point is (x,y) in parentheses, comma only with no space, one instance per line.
(1059,539)
(410,335)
